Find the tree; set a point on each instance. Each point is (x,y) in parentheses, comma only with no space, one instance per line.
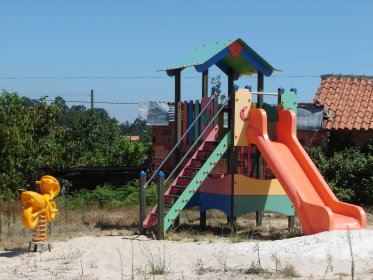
(216,85)
(27,139)
(34,135)
(138,127)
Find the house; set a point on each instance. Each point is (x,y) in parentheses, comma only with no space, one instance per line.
(133,138)
(348,104)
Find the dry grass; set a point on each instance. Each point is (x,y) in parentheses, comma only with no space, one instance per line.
(274,227)
(93,221)
(73,223)
(68,224)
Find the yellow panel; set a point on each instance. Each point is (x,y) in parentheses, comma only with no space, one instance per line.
(244,185)
(243,104)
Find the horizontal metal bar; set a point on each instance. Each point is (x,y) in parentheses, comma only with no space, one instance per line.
(264,93)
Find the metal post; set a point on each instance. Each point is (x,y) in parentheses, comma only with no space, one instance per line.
(205,81)
(160,210)
(142,201)
(259,214)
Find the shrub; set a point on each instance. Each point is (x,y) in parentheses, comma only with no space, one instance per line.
(107,196)
(349,173)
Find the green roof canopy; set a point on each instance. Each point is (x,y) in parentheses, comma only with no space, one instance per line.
(230,56)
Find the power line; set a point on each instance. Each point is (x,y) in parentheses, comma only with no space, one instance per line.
(322,55)
(130,77)
(96,102)
(90,77)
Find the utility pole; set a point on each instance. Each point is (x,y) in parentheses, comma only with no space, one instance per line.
(92,99)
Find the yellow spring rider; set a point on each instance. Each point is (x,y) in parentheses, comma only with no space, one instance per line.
(39,209)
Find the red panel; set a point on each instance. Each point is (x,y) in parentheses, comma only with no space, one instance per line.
(235,49)
(217,186)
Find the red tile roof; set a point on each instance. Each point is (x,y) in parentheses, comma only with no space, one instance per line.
(349,101)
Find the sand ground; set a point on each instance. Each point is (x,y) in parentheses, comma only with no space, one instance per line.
(325,255)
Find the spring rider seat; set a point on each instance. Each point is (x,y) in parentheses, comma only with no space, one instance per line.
(39,209)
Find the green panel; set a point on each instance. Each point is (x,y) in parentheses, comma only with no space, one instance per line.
(239,64)
(289,100)
(249,203)
(271,111)
(206,52)
(200,55)
(196,124)
(197,181)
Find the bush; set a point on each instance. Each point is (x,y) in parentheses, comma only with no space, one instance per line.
(107,196)
(349,173)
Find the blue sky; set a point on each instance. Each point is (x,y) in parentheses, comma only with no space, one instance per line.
(127,39)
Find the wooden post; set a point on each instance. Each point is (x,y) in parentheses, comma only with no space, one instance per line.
(205,83)
(291,222)
(142,201)
(232,160)
(260,86)
(232,222)
(176,222)
(177,114)
(202,220)
(160,210)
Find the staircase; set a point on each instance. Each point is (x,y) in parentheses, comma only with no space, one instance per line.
(190,179)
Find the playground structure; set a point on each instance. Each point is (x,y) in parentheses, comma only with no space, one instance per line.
(213,172)
(39,209)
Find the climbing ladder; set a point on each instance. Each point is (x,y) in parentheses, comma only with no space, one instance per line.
(190,178)
(196,181)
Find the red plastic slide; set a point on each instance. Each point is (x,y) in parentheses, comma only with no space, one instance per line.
(317,207)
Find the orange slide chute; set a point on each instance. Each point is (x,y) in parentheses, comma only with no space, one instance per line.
(317,207)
